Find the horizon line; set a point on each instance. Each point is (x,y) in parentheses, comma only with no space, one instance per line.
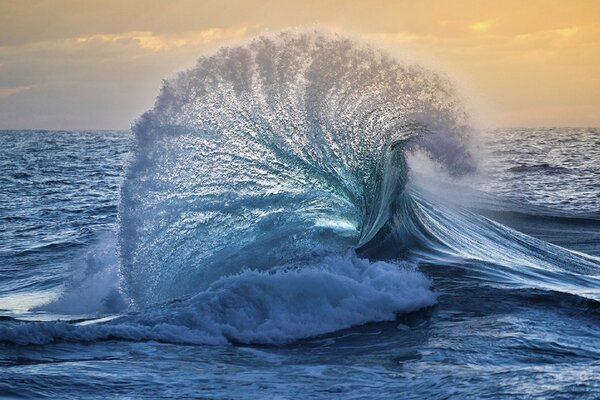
(129,129)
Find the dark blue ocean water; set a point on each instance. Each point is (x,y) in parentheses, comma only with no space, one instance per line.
(301,216)
(59,201)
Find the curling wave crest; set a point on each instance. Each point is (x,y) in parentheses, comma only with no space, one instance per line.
(268,154)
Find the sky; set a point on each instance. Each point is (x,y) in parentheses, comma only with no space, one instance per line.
(69,64)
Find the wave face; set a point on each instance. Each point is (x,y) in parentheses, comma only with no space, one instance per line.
(272,155)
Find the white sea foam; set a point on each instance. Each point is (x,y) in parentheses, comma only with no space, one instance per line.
(94,284)
(337,292)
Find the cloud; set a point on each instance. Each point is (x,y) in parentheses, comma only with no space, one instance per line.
(481,26)
(568,32)
(565,33)
(399,37)
(101,81)
(157,42)
(9,91)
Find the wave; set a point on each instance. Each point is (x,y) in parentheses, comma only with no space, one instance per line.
(545,167)
(264,153)
(258,307)
(94,285)
(267,199)
(495,253)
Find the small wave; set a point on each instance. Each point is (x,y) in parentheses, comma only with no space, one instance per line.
(544,167)
(94,284)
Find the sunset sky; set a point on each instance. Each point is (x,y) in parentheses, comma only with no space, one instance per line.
(99,64)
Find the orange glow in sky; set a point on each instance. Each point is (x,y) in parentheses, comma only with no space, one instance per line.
(98,64)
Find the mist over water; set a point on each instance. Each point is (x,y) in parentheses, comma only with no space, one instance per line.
(314,202)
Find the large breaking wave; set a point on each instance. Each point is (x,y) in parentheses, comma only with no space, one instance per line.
(264,154)
(268,199)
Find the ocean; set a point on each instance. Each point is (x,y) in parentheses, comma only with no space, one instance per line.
(301,217)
